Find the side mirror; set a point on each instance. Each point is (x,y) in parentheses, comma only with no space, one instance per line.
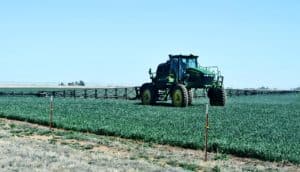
(150,71)
(151,74)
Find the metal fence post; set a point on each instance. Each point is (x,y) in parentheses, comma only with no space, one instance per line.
(74,93)
(206,132)
(96,93)
(116,93)
(51,113)
(126,93)
(85,93)
(105,93)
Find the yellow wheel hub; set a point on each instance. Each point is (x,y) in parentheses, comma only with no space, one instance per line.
(177,98)
(146,97)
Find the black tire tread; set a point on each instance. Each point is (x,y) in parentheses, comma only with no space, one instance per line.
(190,96)
(217,96)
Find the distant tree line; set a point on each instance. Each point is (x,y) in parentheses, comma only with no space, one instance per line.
(76,83)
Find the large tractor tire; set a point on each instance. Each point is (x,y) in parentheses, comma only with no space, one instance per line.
(190,96)
(210,93)
(148,94)
(217,96)
(180,96)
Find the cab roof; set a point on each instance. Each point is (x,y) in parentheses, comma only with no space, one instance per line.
(191,56)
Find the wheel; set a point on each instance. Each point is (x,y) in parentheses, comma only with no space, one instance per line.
(210,92)
(148,95)
(221,97)
(217,96)
(180,96)
(190,96)
(210,95)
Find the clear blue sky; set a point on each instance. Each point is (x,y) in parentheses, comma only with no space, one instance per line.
(255,43)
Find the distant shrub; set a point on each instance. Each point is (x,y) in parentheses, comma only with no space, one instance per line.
(76,83)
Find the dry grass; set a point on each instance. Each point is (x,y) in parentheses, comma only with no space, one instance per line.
(29,147)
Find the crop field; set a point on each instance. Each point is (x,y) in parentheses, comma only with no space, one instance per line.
(265,127)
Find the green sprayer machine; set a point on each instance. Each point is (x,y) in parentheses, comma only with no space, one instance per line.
(177,77)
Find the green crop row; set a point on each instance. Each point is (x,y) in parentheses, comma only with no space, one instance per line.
(264,127)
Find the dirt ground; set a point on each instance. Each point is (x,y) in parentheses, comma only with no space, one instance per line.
(29,147)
